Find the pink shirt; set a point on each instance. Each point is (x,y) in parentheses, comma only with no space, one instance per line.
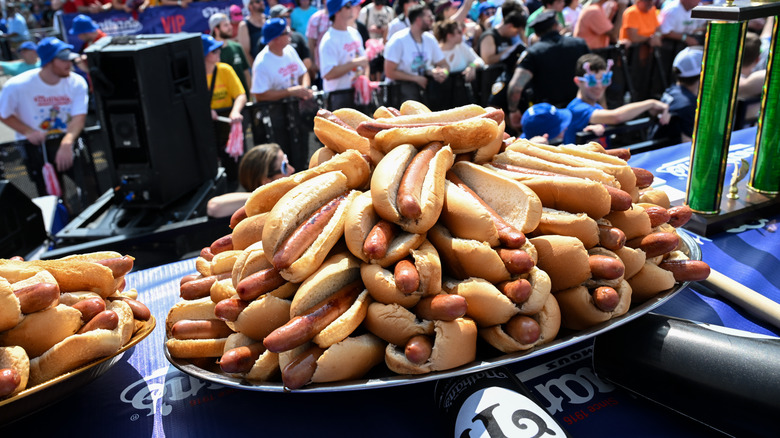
(593,26)
(319,23)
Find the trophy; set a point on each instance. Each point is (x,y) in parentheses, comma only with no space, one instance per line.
(714,211)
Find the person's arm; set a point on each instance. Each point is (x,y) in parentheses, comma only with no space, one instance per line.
(248,77)
(64,158)
(243,39)
(299,91)
(340,70)
(239,102)
(682,37)
(614,34)
(630,112)
(119,5)
(487,50)
(392,72)
(462,12)
(440,71)
(751,85)
(34,136)
(227,204)
(520,79)
(305,80)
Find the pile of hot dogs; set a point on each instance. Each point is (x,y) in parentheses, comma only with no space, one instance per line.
(57,315)
(414,233)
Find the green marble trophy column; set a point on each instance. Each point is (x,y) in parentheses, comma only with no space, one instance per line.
(714,117)
(765,171)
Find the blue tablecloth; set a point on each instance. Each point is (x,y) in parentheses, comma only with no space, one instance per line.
(143,395)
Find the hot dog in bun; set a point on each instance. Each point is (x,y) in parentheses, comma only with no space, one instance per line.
(305,224)
(407,187)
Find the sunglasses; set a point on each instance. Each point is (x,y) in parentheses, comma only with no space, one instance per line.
(284,168)
(589,79)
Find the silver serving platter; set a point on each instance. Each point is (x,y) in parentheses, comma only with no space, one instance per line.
(689,247)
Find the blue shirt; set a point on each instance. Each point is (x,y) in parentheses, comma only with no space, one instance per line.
(580,118)
(14,68)
(299,19)
(17,25)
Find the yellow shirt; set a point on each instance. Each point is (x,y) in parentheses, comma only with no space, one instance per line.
(227,87)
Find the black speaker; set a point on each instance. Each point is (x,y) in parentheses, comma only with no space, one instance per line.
(21,222)
(154,104)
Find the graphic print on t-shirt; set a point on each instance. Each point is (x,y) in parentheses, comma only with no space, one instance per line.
(53,118)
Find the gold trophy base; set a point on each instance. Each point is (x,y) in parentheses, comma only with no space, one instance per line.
(749,206)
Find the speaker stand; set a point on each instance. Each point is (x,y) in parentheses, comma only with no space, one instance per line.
(153,236)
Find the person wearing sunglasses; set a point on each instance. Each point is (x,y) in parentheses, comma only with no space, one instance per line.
(592,76)
(259,166)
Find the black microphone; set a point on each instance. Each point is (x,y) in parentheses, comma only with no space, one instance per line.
(724,378)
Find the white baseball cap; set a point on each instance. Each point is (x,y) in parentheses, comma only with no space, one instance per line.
(688,62)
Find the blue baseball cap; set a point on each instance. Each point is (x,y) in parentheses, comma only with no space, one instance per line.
(209,44)
(336,5)
(28,45)
(82,24)
(544,118)
(51,47)
(485,6)
(272,29)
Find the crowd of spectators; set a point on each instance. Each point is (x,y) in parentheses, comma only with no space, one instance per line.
(556,67)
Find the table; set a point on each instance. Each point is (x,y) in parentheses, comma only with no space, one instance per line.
(143,395)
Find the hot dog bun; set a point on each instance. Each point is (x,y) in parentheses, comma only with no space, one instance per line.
(71,275)
(395,323)
(548,319)
(320,156)
(580,158)
(634,222)
(266,313)
(39,331)
(466,217)
(488,306)
(649,281)
(462,135)
(578,311)
(82,348)
(361,218)
(574,195)
(517,158)
(387,179)
(563,223)
(464,258)
(340,137)
(10,309)
(337,271)
(564,259)
(248,231)
(294,209)
(455,344)
(264,368)
(16,359)
(193,310)
(381,282)
(348,359)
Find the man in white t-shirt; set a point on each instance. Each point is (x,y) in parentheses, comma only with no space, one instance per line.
(341,53)
(279,73)
(413,54)
(677,24)
(47,100)
(376,17)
